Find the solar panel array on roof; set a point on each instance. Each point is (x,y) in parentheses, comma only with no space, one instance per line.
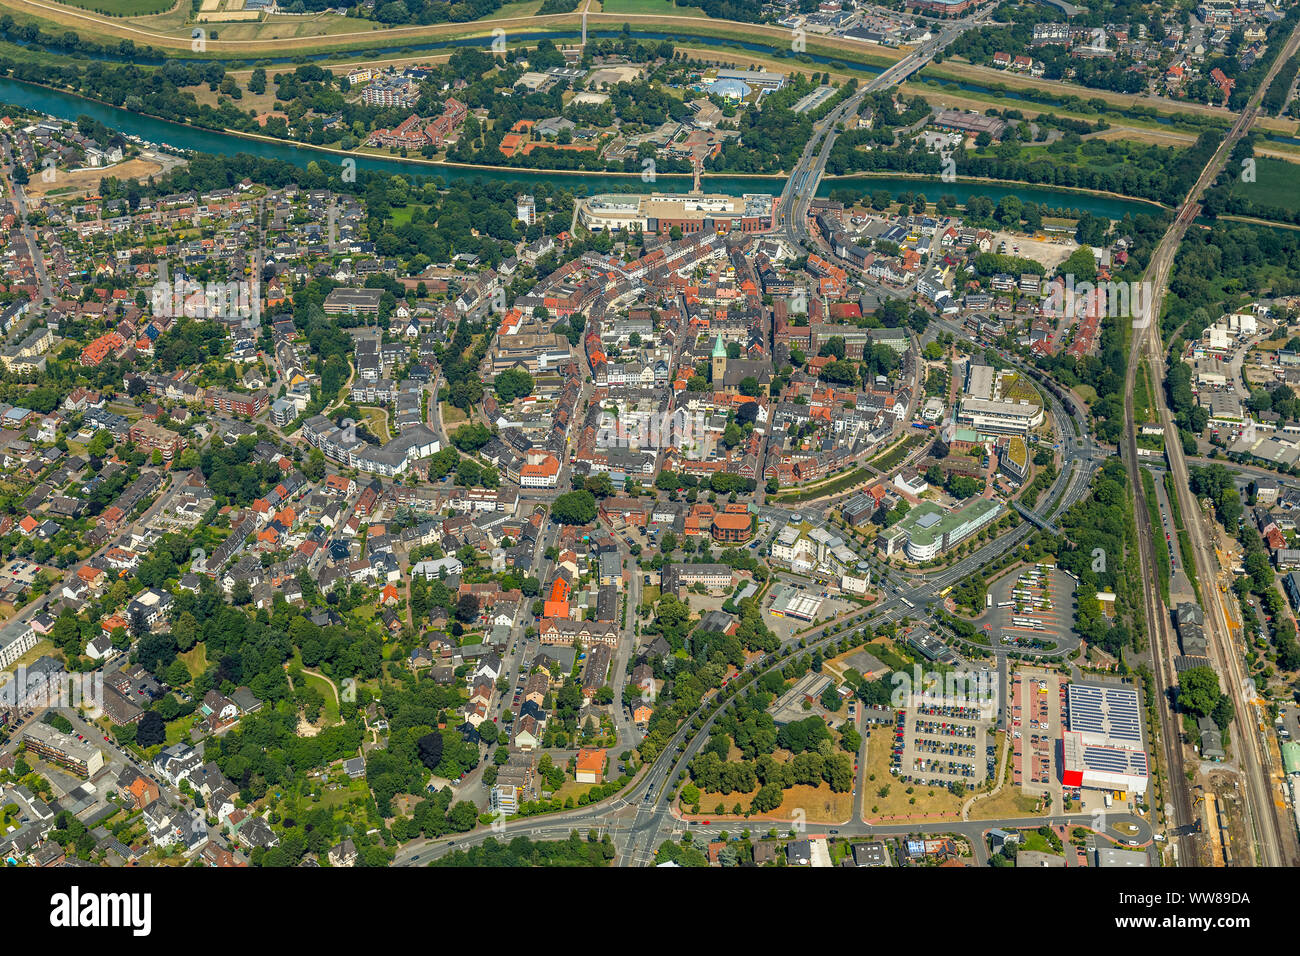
(1122,713)
(1114,760)
(1110,711)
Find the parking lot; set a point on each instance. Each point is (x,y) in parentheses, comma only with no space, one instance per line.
(1037,704)
(1032,610)
(942,744)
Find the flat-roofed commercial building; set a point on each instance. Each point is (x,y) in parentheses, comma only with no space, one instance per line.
(1001,418)
(1102,749)
(660,212)
(353,302)
(534,351)
(928,530)
(791,602)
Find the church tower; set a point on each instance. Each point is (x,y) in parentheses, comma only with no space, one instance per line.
(719,363)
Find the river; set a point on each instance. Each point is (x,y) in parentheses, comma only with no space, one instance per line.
(66,106)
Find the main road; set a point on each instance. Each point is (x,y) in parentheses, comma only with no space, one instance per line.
(792,209)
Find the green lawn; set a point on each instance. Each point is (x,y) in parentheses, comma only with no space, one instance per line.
(896,454)
(1142,394)
(178,730)
(402,215)
(122,8)
(336,800)
(847,480)
(195,659)
(1276,184)
(1033,840)
(525,8)
(663,8)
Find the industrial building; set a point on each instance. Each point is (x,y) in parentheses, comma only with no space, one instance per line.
(967,121)
(790,706)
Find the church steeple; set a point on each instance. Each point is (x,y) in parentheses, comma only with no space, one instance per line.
(719,362)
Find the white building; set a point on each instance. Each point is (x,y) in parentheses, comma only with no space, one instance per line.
(526,210)
(999,417)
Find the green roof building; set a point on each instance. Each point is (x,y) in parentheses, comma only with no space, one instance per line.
(929,530)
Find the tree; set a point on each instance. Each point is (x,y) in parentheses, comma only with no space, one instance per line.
(471,437)
(430,749)
(574,507)
(467,608)
(513,383)
(241,593)
(599,484)
(1198,691)
(151,730)
(177,674)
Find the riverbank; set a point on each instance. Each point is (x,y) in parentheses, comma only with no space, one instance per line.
(68,106)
